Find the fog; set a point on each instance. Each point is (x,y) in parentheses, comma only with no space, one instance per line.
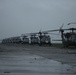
(26,16)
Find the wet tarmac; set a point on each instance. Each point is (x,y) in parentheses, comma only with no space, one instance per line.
(26,63)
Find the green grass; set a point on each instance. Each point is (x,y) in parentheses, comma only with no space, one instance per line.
(57,44)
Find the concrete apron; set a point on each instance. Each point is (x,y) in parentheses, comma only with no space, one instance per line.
(29,64)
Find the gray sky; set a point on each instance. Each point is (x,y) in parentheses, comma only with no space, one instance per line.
(23,16)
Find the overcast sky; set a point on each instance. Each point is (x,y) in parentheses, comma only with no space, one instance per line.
(22,16)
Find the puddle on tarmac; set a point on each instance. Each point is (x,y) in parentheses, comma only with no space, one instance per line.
(28,64)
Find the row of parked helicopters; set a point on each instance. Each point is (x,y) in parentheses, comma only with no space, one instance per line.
(29,38)
(43,37)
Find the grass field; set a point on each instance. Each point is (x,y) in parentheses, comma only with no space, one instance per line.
(57,44)
(61,45)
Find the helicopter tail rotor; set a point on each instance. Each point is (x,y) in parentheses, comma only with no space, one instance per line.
(61,28)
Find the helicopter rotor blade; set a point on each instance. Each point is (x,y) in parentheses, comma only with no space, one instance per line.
(61,27)
(53,33)
(71,23)
(59,30)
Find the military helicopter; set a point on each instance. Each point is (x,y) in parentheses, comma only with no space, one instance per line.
(33,39)
(24,39)
(68,38)
(44,38)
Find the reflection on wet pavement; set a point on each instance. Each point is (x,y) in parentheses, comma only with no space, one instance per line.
(29,64)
